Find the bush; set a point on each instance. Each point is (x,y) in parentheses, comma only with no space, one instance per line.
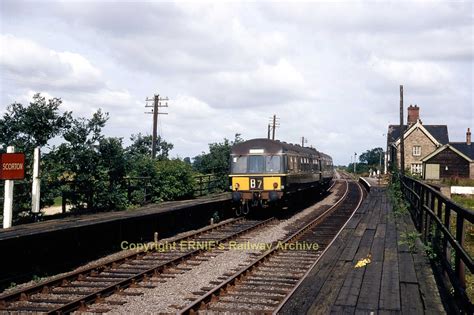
(173,181)
(400,205)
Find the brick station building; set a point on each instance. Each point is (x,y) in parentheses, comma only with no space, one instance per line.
(420,141)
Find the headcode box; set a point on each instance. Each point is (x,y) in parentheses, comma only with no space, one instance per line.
(12,166)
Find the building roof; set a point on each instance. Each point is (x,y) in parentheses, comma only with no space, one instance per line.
(466,149)
(439,132)
(274,147)
(453,146)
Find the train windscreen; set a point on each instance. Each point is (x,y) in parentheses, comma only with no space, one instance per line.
(272,164)
(239,164)
(254,164)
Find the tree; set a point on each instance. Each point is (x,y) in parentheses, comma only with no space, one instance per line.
(91,166)
(142,145)
(34,125)
(27,127)
(372,157)
(174,180)
(218,158)
(112,167)
(169,179)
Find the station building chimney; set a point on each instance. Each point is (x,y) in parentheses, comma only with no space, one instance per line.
(468,136)
(413,114)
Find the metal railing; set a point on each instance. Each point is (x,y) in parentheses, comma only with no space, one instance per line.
(83,192)
(442,223)
(210,183)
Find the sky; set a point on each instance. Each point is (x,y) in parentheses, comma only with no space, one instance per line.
(329,70)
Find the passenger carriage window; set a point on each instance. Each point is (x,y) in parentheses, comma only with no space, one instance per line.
(272,164)
(256,164)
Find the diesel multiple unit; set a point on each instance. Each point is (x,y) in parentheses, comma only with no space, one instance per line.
(264,171)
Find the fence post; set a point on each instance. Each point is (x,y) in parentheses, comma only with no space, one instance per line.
(446,250)
(439,208)
(8,199)
(458,264)
(209,184)
(420,209)
(36,186)
(90,195)
(200,186)
(63,202)
(430,202)
(129,190)
(429,219)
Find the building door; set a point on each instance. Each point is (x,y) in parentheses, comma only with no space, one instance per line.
(432,171)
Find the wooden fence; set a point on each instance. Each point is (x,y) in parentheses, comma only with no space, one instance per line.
(442,224)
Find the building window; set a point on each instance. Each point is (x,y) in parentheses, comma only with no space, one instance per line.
(416,168)
(416,150)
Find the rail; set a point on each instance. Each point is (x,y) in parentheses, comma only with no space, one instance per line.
(344,208)
(435,217)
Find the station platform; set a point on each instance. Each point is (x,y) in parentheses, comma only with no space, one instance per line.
(389,278)
(374,182)
(82,220)
(54,246)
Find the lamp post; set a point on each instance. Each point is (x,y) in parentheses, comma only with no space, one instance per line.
(355,162)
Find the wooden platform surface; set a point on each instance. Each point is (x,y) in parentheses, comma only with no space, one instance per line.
(396,281)
(102,217)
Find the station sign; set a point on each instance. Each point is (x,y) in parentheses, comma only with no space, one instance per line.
(12,166)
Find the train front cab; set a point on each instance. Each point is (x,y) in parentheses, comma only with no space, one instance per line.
(256,180)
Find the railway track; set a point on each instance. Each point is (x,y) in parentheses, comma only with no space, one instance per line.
(265,284)
(75,291)
(94,286)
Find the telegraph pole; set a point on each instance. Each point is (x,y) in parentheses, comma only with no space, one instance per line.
(402,135)
(303,141)
(155,111)
(274,127)
(274,124)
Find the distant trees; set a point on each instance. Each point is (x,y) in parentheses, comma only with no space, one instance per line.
(218,158)
(370,159)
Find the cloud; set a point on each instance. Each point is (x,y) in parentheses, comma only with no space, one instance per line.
(329,70)
(29,63)
(417,74)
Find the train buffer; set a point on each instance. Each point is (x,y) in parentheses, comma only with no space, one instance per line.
(369,268)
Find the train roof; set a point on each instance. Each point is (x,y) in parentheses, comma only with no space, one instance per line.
(273,147)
